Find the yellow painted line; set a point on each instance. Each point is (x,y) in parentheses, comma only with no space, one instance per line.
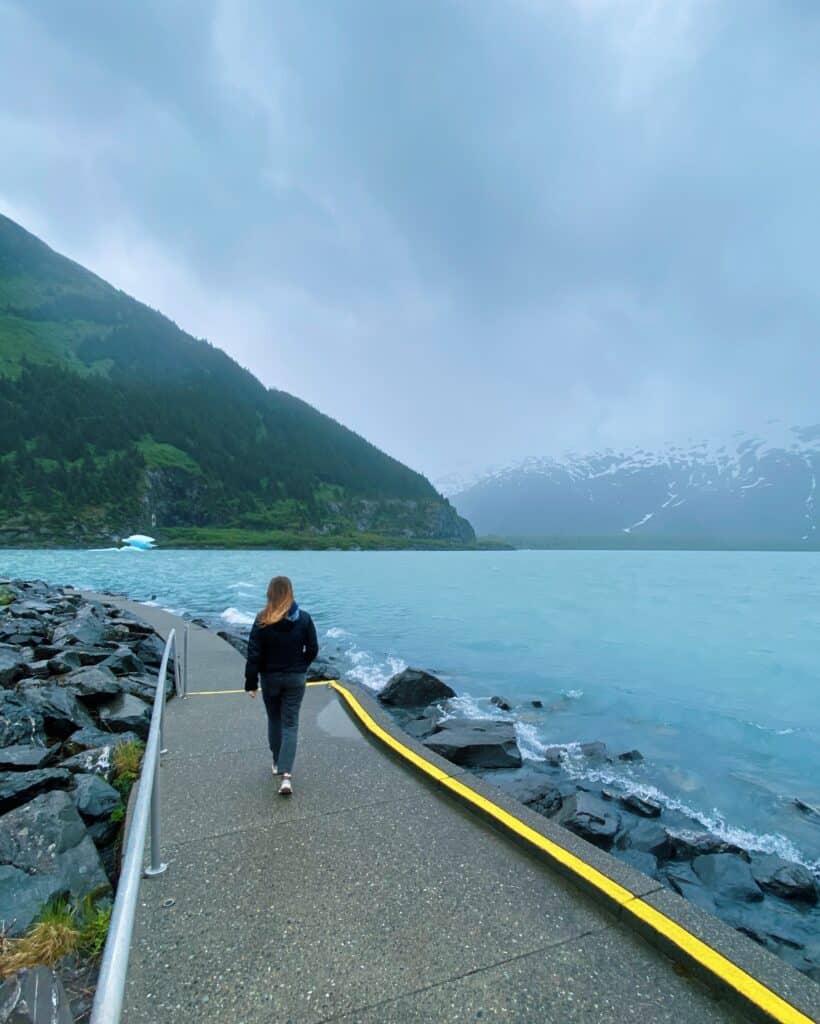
(209,693)
(752,990)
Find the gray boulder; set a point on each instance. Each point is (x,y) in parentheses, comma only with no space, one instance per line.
(783,878)
(644,806)
(94,798)
(686,883)
(476,743)
(414,688)
(97,761)
(642,861)
(538,793)
(86,629)
(17,788)
(686,845)
(20,722)
(45,852)
(728,876)
(123,662)
(647,837)
(421,727)
(631,755)
(61,712)
(323,668)
(92,684)
(91,736)
(39,669)
(150,650)
(34,996)
(13,665)
(239,643)
(65,661)
(501,703)
(24,757)
(126,713)
(590,818)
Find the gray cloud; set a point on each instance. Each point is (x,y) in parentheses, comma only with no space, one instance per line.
(469,231)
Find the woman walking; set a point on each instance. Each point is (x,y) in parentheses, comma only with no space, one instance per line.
(282,645)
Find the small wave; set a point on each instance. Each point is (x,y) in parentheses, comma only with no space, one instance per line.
(466,706)
(771,729)
(372,673)
(572,694)
(241,585)
(336,632)
(234,617)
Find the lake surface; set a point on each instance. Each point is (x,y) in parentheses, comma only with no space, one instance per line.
(708,663)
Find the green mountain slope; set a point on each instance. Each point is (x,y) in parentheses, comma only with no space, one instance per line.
(112,419)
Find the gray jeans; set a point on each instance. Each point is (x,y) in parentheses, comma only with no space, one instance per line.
(283,693)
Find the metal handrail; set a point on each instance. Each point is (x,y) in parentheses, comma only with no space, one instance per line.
(110,992)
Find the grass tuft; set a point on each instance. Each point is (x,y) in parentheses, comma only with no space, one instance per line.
(54,936)
(127,760)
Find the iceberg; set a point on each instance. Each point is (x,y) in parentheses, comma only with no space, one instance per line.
(140,541)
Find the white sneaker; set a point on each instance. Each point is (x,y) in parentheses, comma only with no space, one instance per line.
(273,769)
(285,787)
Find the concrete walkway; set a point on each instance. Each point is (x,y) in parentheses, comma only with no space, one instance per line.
(367,897)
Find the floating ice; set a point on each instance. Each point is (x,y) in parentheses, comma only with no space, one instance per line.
(140,541)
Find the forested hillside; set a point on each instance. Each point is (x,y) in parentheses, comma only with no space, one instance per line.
(113,419)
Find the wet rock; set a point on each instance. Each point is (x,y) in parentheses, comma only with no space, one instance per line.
(20,722)
(91,684)
(126,713)
(631,755)
(644,806)
(539,794)
(687,845)
(537,703)
(590,818)
(642,861)
(24,757)
(728,876)
(476,743)
(123,662)
(13,665)
(45,852)
(87,628)
(34,996)
(61,712)
(323,668)
(807,809)
(17,788)
(420,728)
(783,878)
(65,661)
(414,688)
(501,703)
(686,883)
(239,643)
(93,797)
(91,736)
(647,837)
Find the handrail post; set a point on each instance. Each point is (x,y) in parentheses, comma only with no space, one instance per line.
(185,660)
(156,867)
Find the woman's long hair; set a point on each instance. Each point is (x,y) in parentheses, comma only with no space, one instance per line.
(280,598)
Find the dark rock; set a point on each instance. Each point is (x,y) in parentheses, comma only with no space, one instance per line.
(414,688)
(200,622)
(65,661)
(728,876)
(34,996)
(93,797)
(126,713)
(20,722)
(39,669)
(322,669)
(145,686)
(687,845)
(590,818)
(499,702)
(13,665)
(92,684)
(539,794)
(240,643)
(807,809)
(25,757)
(476,743)
(537,703)
(642,861)
(643,806)
(87,628)
(420,728)
(97,761)
(150,650)
(783,878)
(686,883)
(62,713)
(595,750)
(647,837)
(123,662)
(631,755)
(45,852)
(91,736)
(17,788)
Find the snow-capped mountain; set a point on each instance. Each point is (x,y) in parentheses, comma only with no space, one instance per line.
(750,491)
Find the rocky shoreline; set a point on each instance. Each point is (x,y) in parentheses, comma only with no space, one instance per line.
(773,901)
(77,682)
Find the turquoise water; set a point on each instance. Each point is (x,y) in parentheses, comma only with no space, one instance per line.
(706,662)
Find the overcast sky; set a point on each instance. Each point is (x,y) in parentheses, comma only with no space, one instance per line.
(472,230)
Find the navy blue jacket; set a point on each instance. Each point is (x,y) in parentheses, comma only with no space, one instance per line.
(289,645)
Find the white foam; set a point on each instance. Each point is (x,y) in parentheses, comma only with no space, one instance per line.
(335,632)
(572,694)
(372,673)
(235,617)
(241,585)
